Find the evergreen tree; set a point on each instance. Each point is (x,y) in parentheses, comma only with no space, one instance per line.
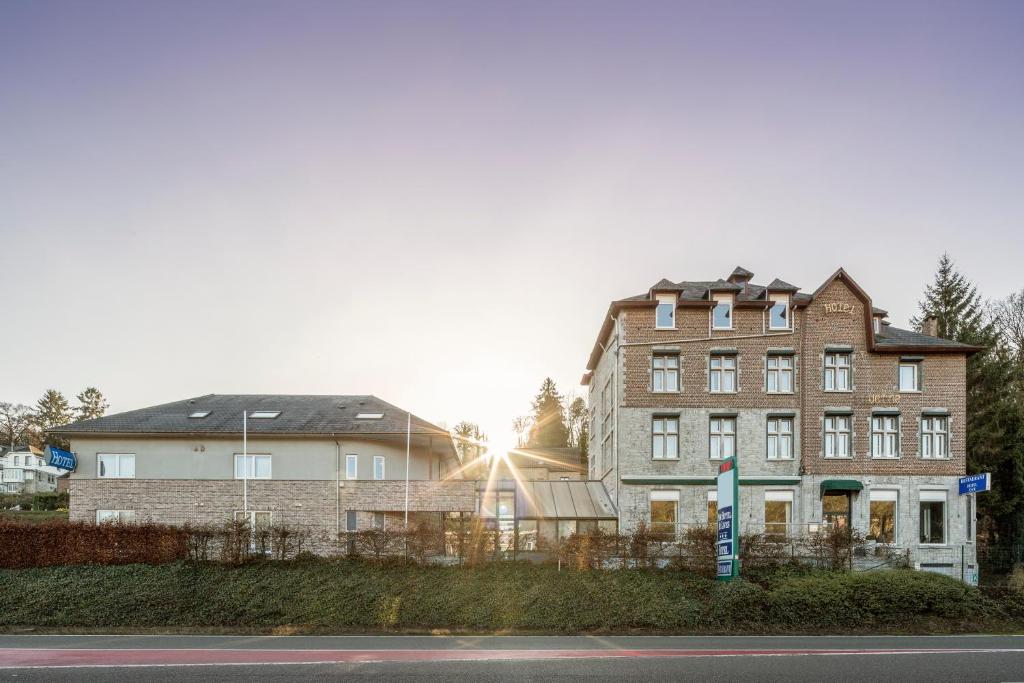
(549,429)
(995,413)
(53,410)
(91,404)
(577,417)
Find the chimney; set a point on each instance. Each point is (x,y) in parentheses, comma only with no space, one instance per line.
(930,326)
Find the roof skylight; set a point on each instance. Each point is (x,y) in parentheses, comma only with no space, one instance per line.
(199,414)
(369,416)
(264,414)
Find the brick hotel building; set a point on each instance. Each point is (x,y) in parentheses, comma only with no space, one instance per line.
(836,416)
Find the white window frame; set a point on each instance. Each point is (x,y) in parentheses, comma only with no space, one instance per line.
(780,300)
(934,496)
(916,367)
(120,466)
(836,434)
(253,460)
(351,466)
(837,370)
(663,497)
(712,498)
(781,368)
(723,300)
(670,300)
(383,520)
(379,459)
(665,372)
(115,516)
(886,496)
(264,414)
(720,438)
(933,437)
(785,496)
(885,437)
(727,369)
(781,436)
(665,437)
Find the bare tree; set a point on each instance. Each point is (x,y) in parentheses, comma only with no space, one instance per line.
(521,426)
(16,421)
(1008,315)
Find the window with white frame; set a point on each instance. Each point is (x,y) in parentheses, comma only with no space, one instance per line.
(837,371)
(779,374)
(115,465)
(837,436)
(378,467)
(351,520)
(115,516)
(258,521)
(722,437)
(778,314)
(721,314)
(778,513)
(379,520)
(665,372)
(712,507)
(910,377)
(665,315)
(722,374)
(664,512)
(252,466)
(885,436)
(882,519)
(934,436)
(665,437)
(351,466)
(933,517)
(780,438)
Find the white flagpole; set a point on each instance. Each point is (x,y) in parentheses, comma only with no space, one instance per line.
(245,465)
(408,444)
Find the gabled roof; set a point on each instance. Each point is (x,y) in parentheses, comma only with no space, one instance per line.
(740,274)
(778,285)
(300,415)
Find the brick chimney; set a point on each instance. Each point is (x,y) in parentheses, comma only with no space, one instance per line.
(930,326)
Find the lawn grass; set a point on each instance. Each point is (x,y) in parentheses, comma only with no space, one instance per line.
(35,516)
(339,596)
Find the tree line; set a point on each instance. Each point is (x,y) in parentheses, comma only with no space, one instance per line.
(995,391)
(30,425)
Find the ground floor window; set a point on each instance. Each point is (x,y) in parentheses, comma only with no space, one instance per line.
(351,520)
(379,520)
(712,508)
(882,516)
(778,513)
(835,509)
(664,512)
(114,516)
(933,517)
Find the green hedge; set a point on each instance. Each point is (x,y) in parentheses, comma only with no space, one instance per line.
(341,595)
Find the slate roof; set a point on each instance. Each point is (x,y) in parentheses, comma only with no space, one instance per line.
(307,415)
(894,336)
(778,285)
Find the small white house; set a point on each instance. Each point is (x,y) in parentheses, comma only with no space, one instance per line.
(25,471)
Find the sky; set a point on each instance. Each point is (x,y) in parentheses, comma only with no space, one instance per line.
(434,202)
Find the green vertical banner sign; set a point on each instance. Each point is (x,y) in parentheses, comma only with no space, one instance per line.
(728,516)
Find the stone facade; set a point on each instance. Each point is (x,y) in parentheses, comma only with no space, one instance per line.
(839,315)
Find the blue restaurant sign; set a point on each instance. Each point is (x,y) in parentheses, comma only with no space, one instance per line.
(975,483)
(65,460)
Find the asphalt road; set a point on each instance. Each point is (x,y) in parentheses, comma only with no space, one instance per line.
(500,658)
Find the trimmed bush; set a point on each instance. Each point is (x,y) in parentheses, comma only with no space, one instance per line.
(49,544)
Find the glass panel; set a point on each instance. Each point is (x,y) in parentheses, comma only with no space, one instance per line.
(777,514)
(882,525)
(666,315)
(527,535)
(263,467)
(663,516)
(779,316)
(728,380)
(712,511)
(566,528)
(908,377)
(933,518)
(350,466)
(835,509)
(723,315)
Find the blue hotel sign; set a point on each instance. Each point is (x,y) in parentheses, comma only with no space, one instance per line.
(975,483)
(65,460)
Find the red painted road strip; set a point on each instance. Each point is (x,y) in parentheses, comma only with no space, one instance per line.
(31,657)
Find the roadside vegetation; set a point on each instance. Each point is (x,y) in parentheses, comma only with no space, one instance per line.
(318,595)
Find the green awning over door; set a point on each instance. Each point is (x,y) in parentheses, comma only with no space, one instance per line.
(843,485)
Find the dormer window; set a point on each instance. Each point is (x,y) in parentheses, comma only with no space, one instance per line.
(878,324)
(666,312)
(721,315)
(778,315)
